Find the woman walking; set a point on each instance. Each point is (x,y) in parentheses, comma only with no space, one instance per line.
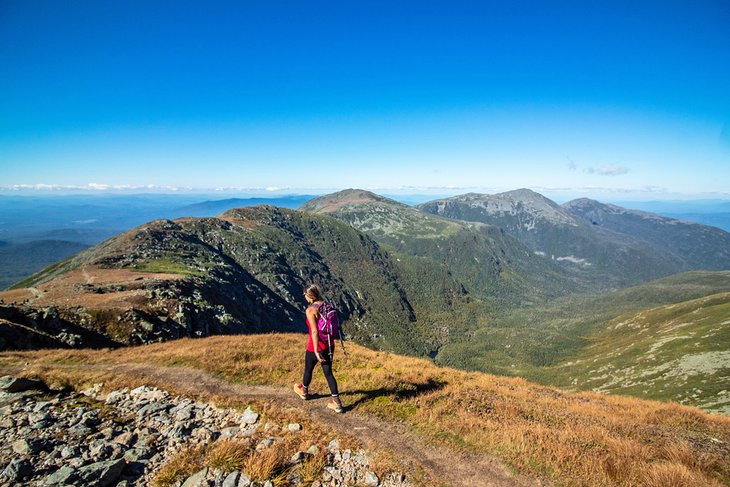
(317,351)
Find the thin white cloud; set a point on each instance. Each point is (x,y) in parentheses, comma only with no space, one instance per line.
(99,186)
(608,170)
(598,189)
(88,187)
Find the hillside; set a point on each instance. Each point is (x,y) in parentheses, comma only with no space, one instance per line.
(538,341)
(614,249)
(446,427)
(90,219)
(460,293)
(18,260)
(240,273)
(196,277)
(677,352)
(490,264)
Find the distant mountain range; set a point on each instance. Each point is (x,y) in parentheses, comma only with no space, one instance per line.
(489,262)
(215,207)
(488,282)
(604,245)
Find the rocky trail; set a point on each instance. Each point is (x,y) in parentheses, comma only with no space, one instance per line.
(447,465)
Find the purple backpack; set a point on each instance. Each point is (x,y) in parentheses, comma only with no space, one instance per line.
(328,325)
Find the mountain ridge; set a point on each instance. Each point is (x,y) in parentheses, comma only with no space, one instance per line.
(202,276)
(490,263)
(686,240)
(605,255)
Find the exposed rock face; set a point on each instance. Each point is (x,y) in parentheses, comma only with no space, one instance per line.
(30,328)
(125,437)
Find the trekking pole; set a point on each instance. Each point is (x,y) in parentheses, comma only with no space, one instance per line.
(342,342)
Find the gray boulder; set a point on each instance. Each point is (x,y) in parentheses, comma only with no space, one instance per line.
(102,473)
(20,384)
(197,479)
(17,470)
(298,457)
(62,476)
(371,479)
(249,417)
(25,447)
(232,479)
(243,480)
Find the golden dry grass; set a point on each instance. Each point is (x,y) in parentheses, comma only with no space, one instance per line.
(311,468)
(181,466)
(270,462)
(570,438)
(228,455)
(260,465)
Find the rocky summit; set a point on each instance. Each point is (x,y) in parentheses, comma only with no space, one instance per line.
(126,437)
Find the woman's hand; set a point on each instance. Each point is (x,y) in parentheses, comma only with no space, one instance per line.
(319,357)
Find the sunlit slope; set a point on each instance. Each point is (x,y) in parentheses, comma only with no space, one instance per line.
(534,342)
(679,352)
(489,263)
(578,439)
(602,246)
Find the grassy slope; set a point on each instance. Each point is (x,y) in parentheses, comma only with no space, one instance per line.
(675,352)
(531,341)
(572,438)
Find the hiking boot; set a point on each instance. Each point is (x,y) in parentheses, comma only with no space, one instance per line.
(335,406)
(300,391)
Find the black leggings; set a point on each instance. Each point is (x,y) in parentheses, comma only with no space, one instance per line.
(310,360)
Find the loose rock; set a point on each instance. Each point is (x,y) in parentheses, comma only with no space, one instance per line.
(19,384)
(249,417)
(197,479)
(125,437)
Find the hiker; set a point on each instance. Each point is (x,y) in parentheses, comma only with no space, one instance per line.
(318,351)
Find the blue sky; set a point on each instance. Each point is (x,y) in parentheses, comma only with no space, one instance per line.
(611,100)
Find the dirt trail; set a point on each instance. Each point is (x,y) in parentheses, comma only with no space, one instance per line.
(452,467)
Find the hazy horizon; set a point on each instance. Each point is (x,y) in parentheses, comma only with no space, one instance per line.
(559,195)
